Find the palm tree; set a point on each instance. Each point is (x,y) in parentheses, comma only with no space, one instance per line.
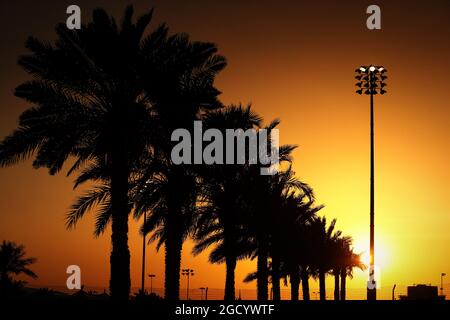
(293,201)
(263,197)
(89,104)
(157,184)
(13,262)
(305,273)
(220,221)
(297,214)
(170,203)
(322,239)
(351,260)
(184,93)
(340,246)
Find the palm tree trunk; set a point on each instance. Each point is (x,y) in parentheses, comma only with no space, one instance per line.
(230,276)
(276,277)
(343,284)
(262,270)
(173,248)
(4,284)
(120,254)
(322,285)
(295,284)
(305,284)
(229,242)
(336,284)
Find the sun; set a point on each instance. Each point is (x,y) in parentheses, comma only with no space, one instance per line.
(381,252)
(365,258)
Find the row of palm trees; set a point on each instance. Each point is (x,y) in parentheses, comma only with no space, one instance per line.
(106,99)
(274,220)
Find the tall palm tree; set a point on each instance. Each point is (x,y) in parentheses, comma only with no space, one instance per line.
(292,200)
(322,239)
(157,185)
(263,199)
(13,262)
(340,246)
(220,222)
(298,212)
(183,94)
(170,203)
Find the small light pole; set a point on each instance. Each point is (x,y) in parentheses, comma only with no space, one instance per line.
(151,276)
(442,283)
(143,256)
(188,273)
(371,82)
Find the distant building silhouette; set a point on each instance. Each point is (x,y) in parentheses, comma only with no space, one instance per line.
(422,292)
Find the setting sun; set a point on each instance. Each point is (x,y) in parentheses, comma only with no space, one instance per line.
(382,255)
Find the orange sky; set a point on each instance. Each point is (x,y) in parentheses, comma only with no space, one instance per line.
(294,60)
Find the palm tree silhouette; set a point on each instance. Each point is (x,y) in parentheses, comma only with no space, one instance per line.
(291,202)
(297,264)
(263,197)
(220,221)
(351,260)
(305,273)
(167,191)
(89,104)
(184,91)
(339,251)
(86,91)
(322,239)
(13,262)
(169,197)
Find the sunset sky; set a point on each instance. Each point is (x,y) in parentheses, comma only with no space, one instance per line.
(294,60)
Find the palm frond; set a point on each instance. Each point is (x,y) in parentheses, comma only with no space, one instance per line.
(86,202)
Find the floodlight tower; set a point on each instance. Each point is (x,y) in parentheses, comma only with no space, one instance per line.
(188,273)
(371,82)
